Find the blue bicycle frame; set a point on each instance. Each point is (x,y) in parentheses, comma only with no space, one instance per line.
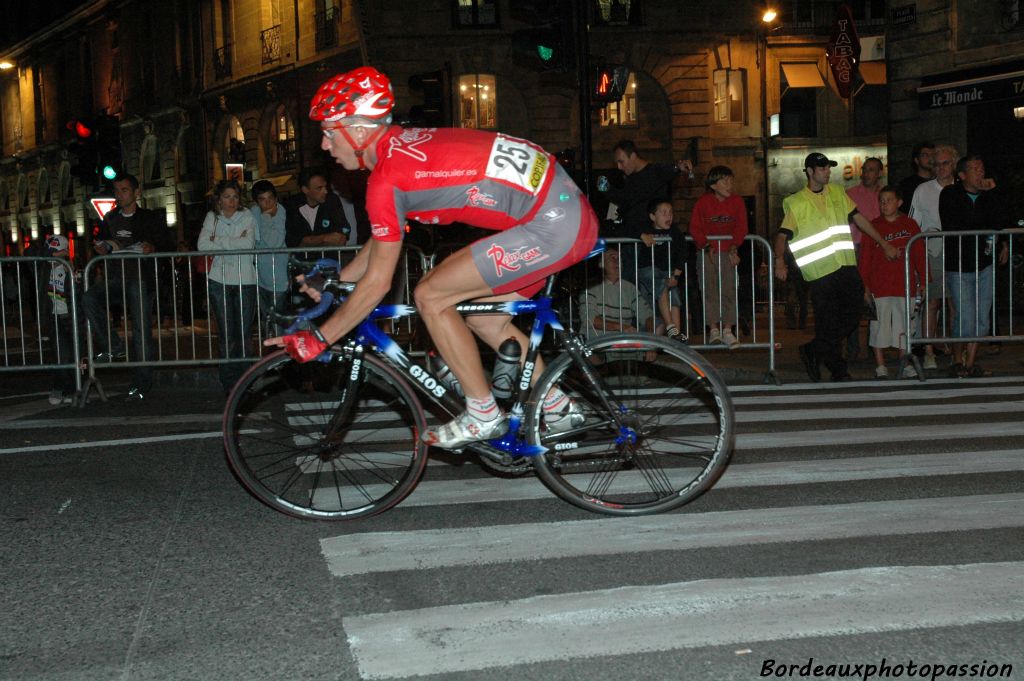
(369,335)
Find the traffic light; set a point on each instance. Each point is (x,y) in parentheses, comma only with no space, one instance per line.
(108,129)
(609,84)
(84,150)
(549,44)
(435,112)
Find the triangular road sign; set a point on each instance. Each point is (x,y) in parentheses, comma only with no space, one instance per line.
(102,206)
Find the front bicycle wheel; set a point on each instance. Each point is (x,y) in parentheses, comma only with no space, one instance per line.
(661,438)
(286,447)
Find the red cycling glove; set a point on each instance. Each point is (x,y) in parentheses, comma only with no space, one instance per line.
(305,345)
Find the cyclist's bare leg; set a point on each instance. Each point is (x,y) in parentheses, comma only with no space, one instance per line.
(454,281)
(495,329)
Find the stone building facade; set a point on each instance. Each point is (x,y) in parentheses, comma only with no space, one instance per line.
(957,76)
(207,88)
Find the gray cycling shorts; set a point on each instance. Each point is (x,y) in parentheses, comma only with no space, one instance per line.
(562,232)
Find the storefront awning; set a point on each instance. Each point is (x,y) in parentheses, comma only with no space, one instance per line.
(872,72)
(802,74)
(983,84)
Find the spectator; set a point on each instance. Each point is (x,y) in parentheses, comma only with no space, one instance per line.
(865,196)
(315,218)
(615,304)
(232,278)
(921,159)
(62,279)
(271,270)
(966,206)
(719,212)
(644,182)
(127,230)
(661,263)
(924,209)
(817,220)
(884,284)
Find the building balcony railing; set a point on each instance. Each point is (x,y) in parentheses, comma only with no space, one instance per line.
(222,62)
(270,42)
(328,21)
(818,16)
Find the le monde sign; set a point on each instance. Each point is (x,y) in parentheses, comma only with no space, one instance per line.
(1006,86)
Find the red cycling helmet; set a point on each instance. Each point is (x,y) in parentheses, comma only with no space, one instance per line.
(363,92)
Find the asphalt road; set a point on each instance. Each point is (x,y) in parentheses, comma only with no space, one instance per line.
(859,524)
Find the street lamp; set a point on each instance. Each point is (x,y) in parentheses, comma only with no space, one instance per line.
(6,65)
(769,15)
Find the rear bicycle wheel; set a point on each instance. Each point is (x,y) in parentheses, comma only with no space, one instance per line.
(667,442)
(280,447)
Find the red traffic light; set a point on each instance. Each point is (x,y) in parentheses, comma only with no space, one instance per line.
(81,129)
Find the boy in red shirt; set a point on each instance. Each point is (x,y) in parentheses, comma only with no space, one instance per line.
(719,212)
(884,282)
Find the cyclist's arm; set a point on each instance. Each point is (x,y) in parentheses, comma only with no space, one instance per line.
(355,270)
(381,259)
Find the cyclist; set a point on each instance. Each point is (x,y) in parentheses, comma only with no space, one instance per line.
(543,224)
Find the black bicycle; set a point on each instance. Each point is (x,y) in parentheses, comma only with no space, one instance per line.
(342,440)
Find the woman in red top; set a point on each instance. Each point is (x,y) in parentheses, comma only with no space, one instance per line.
(719,213)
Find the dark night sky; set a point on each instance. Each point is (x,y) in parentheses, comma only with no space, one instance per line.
(22,18)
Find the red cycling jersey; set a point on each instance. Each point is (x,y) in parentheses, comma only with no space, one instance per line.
(444,175)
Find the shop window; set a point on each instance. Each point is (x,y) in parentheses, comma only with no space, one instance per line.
(475,13)
(622,112)
(478,101)
(730,95)
(283,136)
(801,83)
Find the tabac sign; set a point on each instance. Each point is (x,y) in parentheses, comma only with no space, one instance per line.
(843,51)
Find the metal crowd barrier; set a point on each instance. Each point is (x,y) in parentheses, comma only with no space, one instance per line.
(979,283)
(147,310)
(172,292)
(751,313)
(34,335)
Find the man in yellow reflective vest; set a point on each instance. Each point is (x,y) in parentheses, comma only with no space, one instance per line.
(817,227)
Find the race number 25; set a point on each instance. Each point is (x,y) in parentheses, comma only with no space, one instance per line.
(517,162)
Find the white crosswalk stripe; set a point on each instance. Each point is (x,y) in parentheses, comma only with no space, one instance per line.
(786,438)
(633,619)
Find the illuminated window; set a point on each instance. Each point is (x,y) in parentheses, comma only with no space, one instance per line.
(234,142)
(478,101)
(476,13)
(730,95)
(622,112)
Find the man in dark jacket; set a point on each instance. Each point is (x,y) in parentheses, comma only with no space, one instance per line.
(967,206)
(644,182)
(315,218)
(129,231)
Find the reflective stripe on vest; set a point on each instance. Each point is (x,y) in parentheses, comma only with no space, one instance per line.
(823,242)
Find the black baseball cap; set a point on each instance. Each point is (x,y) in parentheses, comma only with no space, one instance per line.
(818,160)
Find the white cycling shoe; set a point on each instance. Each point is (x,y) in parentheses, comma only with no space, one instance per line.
(464,429)
(565,419)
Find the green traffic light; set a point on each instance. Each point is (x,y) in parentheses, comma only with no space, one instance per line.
(545,53)
(109,172)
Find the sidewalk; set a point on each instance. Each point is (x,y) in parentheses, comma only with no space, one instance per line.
(750,366)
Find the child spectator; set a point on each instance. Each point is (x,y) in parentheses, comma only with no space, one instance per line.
(884,282)
(719,212)
(62,278)
(661,264)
